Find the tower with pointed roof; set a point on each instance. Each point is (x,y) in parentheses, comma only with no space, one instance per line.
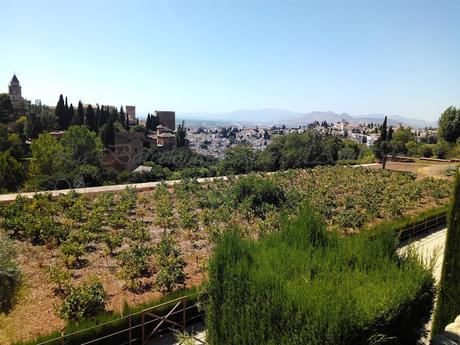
(15,89)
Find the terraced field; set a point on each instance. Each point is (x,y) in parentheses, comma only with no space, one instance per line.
(142,245)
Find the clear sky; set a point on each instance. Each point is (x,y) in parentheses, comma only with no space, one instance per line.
(361,57)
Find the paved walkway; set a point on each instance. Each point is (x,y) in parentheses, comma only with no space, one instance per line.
(429,245)
(4,198)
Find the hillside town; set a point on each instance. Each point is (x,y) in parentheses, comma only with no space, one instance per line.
(214,141)
(241,172)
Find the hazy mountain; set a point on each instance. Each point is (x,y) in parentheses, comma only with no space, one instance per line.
(395,119)
(244,116)
(319,116)
(292,118)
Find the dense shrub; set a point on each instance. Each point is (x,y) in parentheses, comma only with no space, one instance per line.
(84,302)
(303,285)
(134,263)
(258,194)
(170,262)
(448,303)
(33,219)
(60,278)
(10,274)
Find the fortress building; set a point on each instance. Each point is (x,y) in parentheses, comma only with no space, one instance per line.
(14,89)
(166,118)
(131,112)
(126,153)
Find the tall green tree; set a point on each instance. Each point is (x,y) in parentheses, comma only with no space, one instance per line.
(61,113)
(127,122)
(11,173)
(47,154)
(16,145)
(33,126)
(90,119)
(181,136)
(147,122)
(103,116)
(449,125)
(448,303)
(238,159)
(122,114)
(384,130)
(151,122)
(81,146)
(98,118)
(6,108)
(79,117)
(381,147)
(71,115)
(68,114)
(48,119)
(400,138)
(107,133)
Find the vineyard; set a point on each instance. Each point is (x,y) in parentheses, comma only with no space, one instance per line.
(134,247)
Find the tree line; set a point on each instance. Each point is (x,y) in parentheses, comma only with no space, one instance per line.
(403,141)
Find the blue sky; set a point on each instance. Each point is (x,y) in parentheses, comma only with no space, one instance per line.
(361,57)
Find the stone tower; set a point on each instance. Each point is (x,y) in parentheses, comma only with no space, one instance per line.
(15,89)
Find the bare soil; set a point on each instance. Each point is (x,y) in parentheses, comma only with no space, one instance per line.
(420,168)
(34,312)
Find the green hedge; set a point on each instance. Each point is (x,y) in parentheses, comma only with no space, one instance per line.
(448,303)
(304,285)
(115,324)
(402,223)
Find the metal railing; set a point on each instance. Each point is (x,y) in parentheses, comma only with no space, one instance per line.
(140,327)
(422,226)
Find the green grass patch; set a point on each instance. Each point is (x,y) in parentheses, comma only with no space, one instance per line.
(304,285)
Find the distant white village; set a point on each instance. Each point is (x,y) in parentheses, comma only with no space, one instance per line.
(214,140)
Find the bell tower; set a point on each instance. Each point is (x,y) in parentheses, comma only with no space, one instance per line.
(15,89)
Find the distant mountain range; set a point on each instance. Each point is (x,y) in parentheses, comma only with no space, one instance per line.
(292,118)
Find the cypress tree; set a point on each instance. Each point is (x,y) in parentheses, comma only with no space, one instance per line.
(381,147)
(110,133)
(90,120)
(181,134)
(147,122)
(152,123)
(122,114)
(448,303)
(80,114)
(98,118)
(115,115)
(127,122)
(33,126)
(103,117)
(383,130)
(67,116)
(71,115)
(60,113)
